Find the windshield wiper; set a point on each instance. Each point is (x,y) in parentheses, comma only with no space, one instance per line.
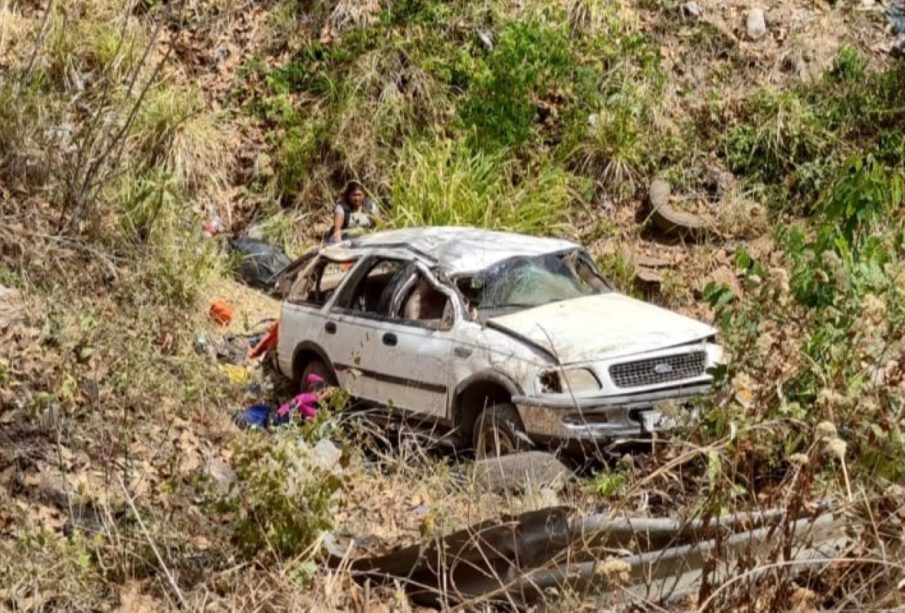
(509,305)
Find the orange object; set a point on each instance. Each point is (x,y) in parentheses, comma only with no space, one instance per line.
(267,343)
(221,312)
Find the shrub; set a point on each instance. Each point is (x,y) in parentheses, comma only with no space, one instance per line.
(780,132)
(283,499)
(822,342)
(528,61)
(848,240)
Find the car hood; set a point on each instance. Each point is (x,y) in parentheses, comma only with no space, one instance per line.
(602,326)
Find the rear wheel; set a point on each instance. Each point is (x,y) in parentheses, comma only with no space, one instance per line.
(498,431)
(315,367)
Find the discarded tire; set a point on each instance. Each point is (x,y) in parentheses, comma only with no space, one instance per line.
(668,220)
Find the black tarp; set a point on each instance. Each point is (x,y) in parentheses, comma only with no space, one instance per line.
(259,262)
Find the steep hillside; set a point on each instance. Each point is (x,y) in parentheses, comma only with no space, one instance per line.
(127,125)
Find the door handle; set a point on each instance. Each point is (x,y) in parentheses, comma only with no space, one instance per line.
(462,352)
(390,339)
(330,327)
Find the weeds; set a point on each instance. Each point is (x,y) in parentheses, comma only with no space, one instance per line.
(527,64)
(781,133)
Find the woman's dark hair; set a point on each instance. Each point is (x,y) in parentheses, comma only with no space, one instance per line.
(352,186)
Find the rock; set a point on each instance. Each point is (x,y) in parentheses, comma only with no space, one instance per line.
(756,24)
(718,182)
(519,471)
(326,455)
(692,10)
(220,473)
(648,276)
(486,39)
(649,261)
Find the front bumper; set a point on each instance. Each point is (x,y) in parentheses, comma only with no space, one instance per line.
(603,418)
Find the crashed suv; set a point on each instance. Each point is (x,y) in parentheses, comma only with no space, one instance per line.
(507,340)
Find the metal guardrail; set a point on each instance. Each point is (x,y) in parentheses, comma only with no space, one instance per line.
(517,560)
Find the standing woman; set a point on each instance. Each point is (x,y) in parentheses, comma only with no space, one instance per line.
(354,214)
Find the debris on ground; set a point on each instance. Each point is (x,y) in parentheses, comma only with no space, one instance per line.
(692,9)
(255,416)
(221,312)
(266,343)
(229,348)
(668,220)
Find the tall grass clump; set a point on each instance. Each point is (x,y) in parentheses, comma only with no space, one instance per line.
(612,135)
(795,141)
(446,182)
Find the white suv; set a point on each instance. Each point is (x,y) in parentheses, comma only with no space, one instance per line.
(507,339)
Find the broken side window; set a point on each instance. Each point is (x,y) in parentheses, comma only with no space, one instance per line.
(374,289)
(315,285)
(424,303)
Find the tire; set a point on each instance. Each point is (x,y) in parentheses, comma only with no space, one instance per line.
(498,431)
(319,368)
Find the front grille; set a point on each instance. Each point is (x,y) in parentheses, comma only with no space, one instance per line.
(654,371)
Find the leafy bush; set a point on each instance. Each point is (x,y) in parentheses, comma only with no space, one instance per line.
(283,499)
(445,182)
(848,244)
(823,342)
(850,66)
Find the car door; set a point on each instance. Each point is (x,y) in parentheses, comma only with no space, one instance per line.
(388,355)
(302,318)
(351,333)
(417,342)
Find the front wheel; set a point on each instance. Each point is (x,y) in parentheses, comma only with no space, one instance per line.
(498,431)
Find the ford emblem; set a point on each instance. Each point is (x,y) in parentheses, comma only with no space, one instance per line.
(663,368)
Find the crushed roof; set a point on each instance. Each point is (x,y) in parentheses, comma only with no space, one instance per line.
(456,250)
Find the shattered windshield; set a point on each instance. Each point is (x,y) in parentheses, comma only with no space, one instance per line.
(526,282)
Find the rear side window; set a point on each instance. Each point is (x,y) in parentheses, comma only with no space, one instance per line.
(315,285)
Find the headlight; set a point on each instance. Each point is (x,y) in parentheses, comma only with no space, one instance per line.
(575,381)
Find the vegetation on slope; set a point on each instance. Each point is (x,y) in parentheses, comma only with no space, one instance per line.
(123,129)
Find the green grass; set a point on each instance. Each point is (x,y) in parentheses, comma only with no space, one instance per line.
(446,182)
